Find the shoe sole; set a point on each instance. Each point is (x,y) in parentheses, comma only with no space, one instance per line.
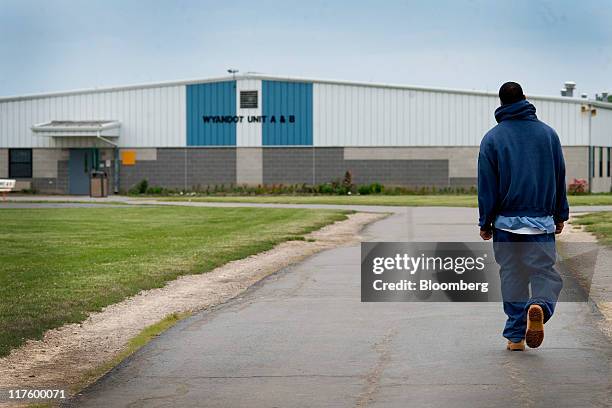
(515,347)
(535,327)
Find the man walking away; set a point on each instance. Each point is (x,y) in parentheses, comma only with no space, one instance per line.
(523,204)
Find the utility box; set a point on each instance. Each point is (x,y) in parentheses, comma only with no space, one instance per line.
(98,184)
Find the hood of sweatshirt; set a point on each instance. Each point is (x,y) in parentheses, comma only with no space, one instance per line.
(521,110)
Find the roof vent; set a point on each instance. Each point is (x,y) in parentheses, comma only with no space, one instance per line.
(568,89)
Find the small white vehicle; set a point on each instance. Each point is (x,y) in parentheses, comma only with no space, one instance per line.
(6,186)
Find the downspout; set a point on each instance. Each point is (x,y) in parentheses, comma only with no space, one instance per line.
(99,136)
(116,170)
(591,151)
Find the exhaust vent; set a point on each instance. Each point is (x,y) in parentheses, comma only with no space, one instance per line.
(568,89)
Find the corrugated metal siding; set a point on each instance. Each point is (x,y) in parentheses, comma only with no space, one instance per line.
(248,133)
(281,98)
(211,99)
(347,115)
(601,128)
(151,117)
(571,124)
(330,114)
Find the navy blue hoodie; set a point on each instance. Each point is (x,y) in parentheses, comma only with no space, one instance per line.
(521,171)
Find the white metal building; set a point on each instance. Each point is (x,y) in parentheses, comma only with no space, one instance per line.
(259,129)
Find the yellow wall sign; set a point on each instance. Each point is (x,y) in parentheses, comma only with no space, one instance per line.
(128,157)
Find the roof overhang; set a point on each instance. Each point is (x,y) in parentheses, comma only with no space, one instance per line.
(99,129)
(77,126)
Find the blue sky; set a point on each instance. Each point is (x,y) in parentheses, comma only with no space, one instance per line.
(473,44)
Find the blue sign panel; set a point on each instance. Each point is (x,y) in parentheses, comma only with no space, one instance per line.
(287,109)
(211,114)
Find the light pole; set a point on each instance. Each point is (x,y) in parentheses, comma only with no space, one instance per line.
(233,71)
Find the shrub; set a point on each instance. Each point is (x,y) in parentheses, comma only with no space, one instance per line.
(140,188)
(326,188)
(363,190)
(578,186)
(155,190)
(376,188)
(348,180)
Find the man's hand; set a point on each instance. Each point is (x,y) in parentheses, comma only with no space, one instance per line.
(559,227)
(486,234)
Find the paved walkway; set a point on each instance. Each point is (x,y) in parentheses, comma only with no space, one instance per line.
(302,338)
(54,201)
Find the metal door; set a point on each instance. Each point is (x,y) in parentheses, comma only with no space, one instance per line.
(80,164)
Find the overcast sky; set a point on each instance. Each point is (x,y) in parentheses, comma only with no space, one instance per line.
(58,45)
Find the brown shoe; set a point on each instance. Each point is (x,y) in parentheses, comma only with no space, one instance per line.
(520,346)
(535,326)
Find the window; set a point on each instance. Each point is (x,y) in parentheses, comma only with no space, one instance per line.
(248,99)
(608,172)
(20,163)
(601,162)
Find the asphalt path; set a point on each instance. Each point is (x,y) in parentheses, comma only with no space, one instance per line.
(303,338)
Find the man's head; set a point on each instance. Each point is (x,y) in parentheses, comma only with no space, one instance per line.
(510,92)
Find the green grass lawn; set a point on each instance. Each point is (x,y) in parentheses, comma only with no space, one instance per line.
(599,224)
(57,265)
(439,200)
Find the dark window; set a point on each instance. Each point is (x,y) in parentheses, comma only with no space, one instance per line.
(248,99)
(601,162)
(20,163)
(608,173)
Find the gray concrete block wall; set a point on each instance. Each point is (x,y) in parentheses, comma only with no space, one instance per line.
(463,161)
(410,173)
(465,182)
(62,177)
(168,171)
(295,166)
(182,168)
(210,166)
(329,164)
(45,185)
(288,165)
(196,168)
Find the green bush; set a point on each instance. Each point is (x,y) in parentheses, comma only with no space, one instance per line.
(347,182)
(342,186)
(155,190)
(326,188)
(363,190)
(140,188)
(376,188)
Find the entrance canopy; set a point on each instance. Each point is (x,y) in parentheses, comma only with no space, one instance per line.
(100,129)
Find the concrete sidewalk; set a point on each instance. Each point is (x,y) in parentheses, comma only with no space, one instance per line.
(119,199)
(302,338)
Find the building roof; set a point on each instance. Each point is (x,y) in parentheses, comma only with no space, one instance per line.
(253,75)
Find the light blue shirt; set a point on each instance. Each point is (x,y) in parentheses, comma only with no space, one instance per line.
(526,225)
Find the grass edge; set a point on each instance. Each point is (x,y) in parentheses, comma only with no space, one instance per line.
(132,346)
